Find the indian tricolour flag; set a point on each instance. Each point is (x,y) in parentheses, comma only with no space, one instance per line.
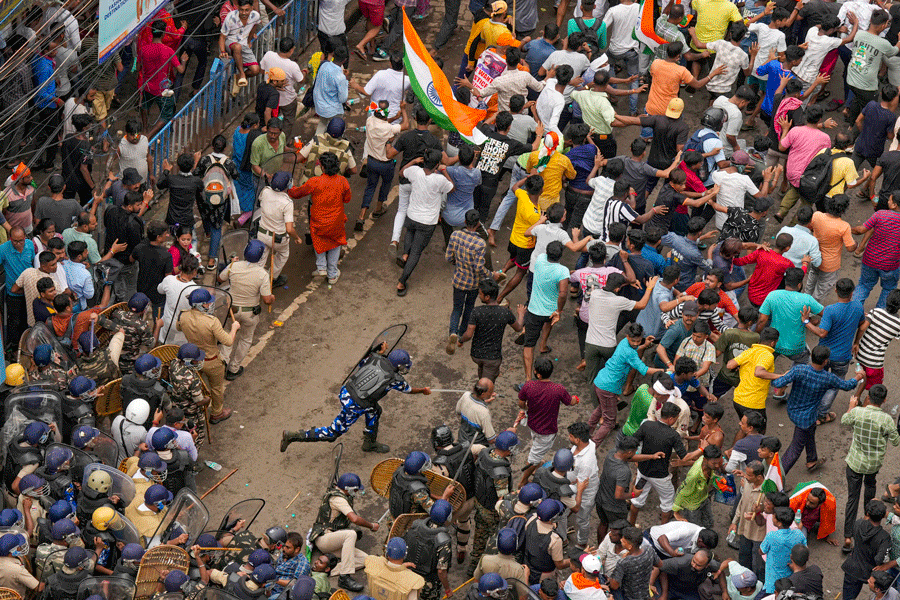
(774,478)
(434,92)
(645,30)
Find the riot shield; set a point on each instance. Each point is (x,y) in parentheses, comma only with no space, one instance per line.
(390,336)
(122,484)
(221,310)
(233,244)
(39,334)
(25,405)
(186,514)
(521,586)
(104,447)
(213,593)
(243,543)
(245,511)
(110,588)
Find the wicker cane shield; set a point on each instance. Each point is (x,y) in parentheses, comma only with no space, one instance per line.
(404,522)
(8,594)
(380,480)
(156,561)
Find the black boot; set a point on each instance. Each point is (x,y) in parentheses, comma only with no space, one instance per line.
(289,437)
(348,583)
(371,444)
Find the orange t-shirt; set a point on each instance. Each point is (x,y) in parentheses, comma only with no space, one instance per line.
(833,234)
(667,80)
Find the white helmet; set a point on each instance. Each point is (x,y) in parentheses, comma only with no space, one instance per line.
(138,411)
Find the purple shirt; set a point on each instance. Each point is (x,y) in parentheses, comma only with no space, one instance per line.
(883,250)
(542,399)
(582,158)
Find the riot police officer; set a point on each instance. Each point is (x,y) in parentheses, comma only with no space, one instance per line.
(138,330)
(187,388)
(13,550)
(147,512)
(129,561)
(455,461)
(24,455)
(100,363)
(15,376)
(176,582)
(94,494)
(252,587)
(504,562)
(61,509)
(389,578)
(33,489)
(429,548)
(553,479)
(369,382)
(409,491)
(78,404)
(55,471)
(492,482)
(490,587)
(249,286)
(144,384)
(179,467)
(63,585)
(543,545)
(520,503)
(47,369)
(48,558)
(331,532)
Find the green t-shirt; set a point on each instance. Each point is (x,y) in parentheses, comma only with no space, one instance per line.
(601,32)
(261,151)
(731,343)
(640,404)
(865,62)
(784,308)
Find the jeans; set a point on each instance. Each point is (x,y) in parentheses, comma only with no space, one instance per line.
(632,65)
(509,200)
(463,303)
(803,438)
(377,169)
(200,49)
(403,191)
(418,235)
(125,285)
(750,558)
(328,260)
(852,587)
(214,233)
(839,368)
(448,24)
(868,277)
(854,482)
(604,416)
(860,99)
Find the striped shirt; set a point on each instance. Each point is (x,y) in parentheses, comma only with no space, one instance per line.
(616,211)
(883,249)
(883,327)
(593,215)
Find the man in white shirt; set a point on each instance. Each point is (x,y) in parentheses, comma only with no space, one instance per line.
(734,116)
(387,84)
(276,224)
(571,57)
(586,475)
(332,28)
(551,101)
(733,184)
(287,93)
(620,23)
(430,185)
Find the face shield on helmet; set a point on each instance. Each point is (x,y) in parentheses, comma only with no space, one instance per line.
(33,486)
(11,517)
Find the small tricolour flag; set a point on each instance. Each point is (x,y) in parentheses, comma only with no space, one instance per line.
(774,477)
(434,92)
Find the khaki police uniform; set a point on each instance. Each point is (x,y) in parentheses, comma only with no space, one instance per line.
(390,581)
(205,332)
(249,281)
(276,210)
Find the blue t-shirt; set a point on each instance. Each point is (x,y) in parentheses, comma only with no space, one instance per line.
(15,262)
(460,199)
(545,290)
(582,158)
(687,257)
(784,308)
(611,377)
(651,317)
(655,258)
(775,72)
(684,386)
(841,320)
(672,339)
(878,122)
(536,53)
(777,547)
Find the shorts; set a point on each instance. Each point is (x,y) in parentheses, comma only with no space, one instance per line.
(540,446)
(534,324)
(101,102)
(874,376)
(664,489)
(520,256)
(166,105)
(608,516)
(247,56)
(374,13)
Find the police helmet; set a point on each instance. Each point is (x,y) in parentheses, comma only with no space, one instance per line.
(263,574)
(11,517)
(401,360)
(82,435)
(441,437)
(157,494)
(349,481)
(208,540)
(336,127)
(507,541)
(174,580)
(132,553)
(440,511)
(148,365)
(137,411)
(88,342)
(100,481)
(164,438)
(280,181)
(190,352)
(34,486)
(82,386)
(415,462)
(254,251)
(37,433)
(153,467)
(200,296)
(103,517)
(549,509)
(139,302)
(507,440)
(76,557)
(57,459)
(61,509)
(13,544)
(15,374)
(563,460)
(492,585)
(531,493)
(259,557)
(42,354)
(396,548)
(63,529)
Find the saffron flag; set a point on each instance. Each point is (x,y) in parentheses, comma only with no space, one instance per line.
(645,31)
(434,92)
(774,477)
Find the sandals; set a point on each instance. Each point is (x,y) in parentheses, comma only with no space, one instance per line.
(828,419)
(816,465)
(361,54)
(547,350)
(402,291)
(379,212)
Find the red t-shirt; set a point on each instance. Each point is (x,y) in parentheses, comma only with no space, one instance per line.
(770,269)
(883,250)
(154,69)
(542,399)
(725,302)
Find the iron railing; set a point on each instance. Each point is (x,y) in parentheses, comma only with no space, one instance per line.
(213,106)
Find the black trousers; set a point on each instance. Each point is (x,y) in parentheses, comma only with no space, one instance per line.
(16,320)
(854,482)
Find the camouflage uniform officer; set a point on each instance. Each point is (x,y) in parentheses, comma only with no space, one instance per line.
(138,331)
(187,390)
(48,370)
(492,482)
(100,363)
(48,558)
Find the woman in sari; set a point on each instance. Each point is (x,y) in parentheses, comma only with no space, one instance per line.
(240,154)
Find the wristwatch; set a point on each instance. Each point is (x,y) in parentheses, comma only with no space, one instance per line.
(805,321)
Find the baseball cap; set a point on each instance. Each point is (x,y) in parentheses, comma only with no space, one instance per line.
(747,579)
(675,108)
(690,308)
(498,7)
(131,176)
(590,563)
(740,158)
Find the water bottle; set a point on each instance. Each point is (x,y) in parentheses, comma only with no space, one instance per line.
(894,409)
(798,518)
(731,536)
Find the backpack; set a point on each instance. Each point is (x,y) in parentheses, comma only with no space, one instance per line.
(815,183)
(696,143)
(216,185)
(593,37)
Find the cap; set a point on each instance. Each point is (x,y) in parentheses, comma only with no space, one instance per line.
(280,181)
(740,158)
(304,588)
(277,74)
(396,548)
(131,176)
(498,7)
(590,563)
(23,171)
(675,108)
(747,579)
(690,308)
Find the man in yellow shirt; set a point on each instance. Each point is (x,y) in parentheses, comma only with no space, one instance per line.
(844,175)
(490,32)
(713,19)
(528,193)
(756,364)
(558,168)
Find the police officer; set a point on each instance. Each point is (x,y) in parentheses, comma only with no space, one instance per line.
(15,376)
(276,223)
(96,493)
(179,467)
(252,587)
(389,578)
(144,383)
(504,562)
(553,479)
(78,404)
(61,509)
(24,455)
(331,532)
(455,461)
(187,390)
(100,363)
(33,489)
(429,548)
(369,382)
(48,558)
(492,482)
(202,329)
(55,471)
(77,566)
(13,573)
(146,512)
(129,561)
(409,491)
(249,285)
(176,582)
(46,369)
(139,332)
(543,545)
(520,503)
(151,469)
(489,587)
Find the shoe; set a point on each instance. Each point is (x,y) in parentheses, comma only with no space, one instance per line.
(222,416)
(400,262)
(279,281)
(242,82)
(734,544)
(289,437)
(232,376)
(518,387)
(358,226)
(319,273)
(460,557)
(451,343)
(166,93)
(371,444)
(350,584)
(235,88)
(380,55)
(334,280)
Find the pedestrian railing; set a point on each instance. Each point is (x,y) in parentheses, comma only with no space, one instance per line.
(213,106)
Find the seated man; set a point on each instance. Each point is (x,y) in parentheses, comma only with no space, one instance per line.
(818,510)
